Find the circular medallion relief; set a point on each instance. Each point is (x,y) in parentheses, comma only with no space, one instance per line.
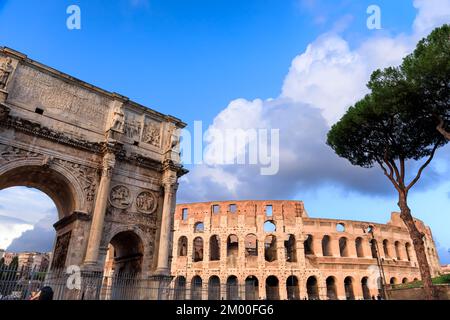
(120,197)
(146,202)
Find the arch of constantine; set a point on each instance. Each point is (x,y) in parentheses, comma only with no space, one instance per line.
(273,250)
(110,165)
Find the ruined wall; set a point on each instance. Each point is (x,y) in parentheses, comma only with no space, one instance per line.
(302,257)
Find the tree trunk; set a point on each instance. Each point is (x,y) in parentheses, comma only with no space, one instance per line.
(442,130)
(419,246)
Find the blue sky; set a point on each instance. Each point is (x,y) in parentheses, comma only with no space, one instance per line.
(213,60)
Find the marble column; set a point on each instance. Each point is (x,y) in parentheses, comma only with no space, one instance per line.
(170,187)
(98,215)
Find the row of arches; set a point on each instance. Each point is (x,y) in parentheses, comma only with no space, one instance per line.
(213,289)
(250,243)
(402,252)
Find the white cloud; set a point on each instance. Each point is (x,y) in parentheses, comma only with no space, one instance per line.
(319,87)
(431,13)
(11,229)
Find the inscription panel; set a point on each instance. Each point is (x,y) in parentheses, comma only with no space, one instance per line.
(72,103)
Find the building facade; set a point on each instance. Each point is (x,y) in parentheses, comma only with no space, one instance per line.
(273,250)
(33,261)
(110,165)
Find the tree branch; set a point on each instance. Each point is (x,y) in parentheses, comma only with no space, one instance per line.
(440,127)
(389,175)
(423,167)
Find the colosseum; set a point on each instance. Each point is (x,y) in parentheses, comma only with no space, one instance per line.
(272,250)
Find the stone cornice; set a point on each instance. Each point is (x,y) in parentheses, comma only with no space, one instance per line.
(70,219)
(100,148)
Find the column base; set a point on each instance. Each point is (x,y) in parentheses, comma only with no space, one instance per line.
(159,285)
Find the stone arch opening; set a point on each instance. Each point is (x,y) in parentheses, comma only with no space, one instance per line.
(387,254)
(343,247)
(180,288)
(251,288)
(359,247)
(214,288)
(270,248)
(182,246)
(272,288)
(197,248)
(397,250)
(408,251)
(405,280)
(312,288)
(393,281)
(331,288)
(232,288)
(55,182)
(251,246)
(326,246)
(348,285)
(292,288)
(123,266)
(290,248)
(269,226)
(232,245)
(308,245)
(373,248)
(199,227)
(214,248)
(365,288)
(196,288)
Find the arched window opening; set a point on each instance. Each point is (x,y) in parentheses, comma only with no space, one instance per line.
(373,248)
(251,246)
(397,250)
(197,250)
(293,291)
(232,245)
(196,288)
(272,288)
(408,251)
(308,245)
(359,247)
(405,280)
(232,288)
(340,227)
(199,227)
(365,288)
(348,284)
(182,246)
(214,288)
(270,248)
(343,248)
(386,248)
(251,288)
(290,249)
(326,246)
(269,226)
(312,288)
(180,288)
(331,288)
(214,248)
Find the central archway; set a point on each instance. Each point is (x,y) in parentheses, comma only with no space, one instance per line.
(123,266)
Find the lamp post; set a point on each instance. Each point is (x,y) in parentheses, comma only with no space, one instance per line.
(369,230)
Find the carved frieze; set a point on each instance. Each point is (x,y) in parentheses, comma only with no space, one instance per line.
(10,153)
(132,129)
(6,68)
(146,202)
(120,197)
(85,175)
(152,133)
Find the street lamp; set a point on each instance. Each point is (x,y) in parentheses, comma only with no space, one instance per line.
(369,230)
